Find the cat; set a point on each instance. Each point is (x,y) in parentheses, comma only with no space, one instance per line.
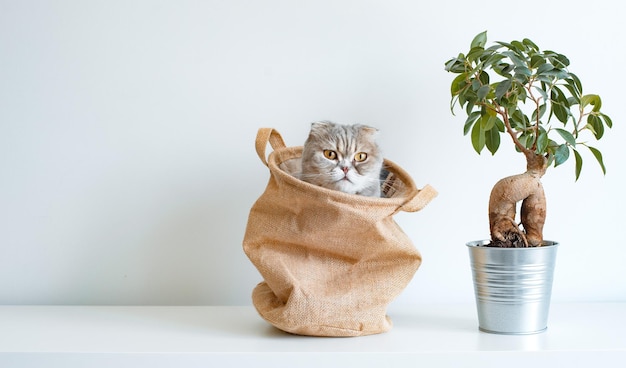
(343,157)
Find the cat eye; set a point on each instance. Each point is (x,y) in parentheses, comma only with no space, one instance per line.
(331,155)
(360,157)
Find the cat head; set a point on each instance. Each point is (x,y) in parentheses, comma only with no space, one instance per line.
(342,157)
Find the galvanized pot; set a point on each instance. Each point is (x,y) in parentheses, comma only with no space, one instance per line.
(512,286)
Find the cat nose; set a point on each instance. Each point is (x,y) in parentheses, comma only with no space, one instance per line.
(345,170)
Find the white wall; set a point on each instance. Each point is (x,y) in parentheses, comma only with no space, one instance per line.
(127,166)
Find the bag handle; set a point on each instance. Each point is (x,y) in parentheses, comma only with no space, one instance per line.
(420,200)
(265,135)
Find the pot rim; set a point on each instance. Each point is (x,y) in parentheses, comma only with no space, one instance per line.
(482,243)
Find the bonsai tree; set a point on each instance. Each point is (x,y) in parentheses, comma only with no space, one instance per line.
(518,90)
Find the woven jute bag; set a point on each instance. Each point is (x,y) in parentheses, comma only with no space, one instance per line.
(331,261)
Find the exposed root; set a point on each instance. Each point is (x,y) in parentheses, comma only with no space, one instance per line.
(505,233)
(527,188)
(533,214)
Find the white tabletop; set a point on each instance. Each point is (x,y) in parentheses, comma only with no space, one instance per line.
(440,335)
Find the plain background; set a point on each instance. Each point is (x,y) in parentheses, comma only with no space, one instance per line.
(127,162)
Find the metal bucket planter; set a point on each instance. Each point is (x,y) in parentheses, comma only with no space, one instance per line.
(512,286)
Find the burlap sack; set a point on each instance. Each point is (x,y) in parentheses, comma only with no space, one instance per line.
(331,261)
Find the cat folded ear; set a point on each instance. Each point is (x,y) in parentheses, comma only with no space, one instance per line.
(321,129)
(368,130)
(321,125)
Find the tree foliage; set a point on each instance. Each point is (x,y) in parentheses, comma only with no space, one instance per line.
(529,94)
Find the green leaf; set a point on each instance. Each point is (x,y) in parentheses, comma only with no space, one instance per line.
(530,44)
(560,105)
(593,100)
(591,128)
(478,138)
(543,68)
(458,84)
(518,120)
(536,61)
(572,86)
(514,58)
(500,125)
(542,141)
(559,97)
(561,155)
(471,102)
(475,54)
(479,40)
(482,92)
(607,120)
(483,77)
(569,138)
(563,61)
(523,70)
(598,157)
(504,69)
(492,139)
(492,60)
(579,85)
(518,46)
(471,118)
(544,79)
(523,140)
(560,112)
(559,74)
(579,163)
(596,123)
(487,122)
(505,44)
(455,65)
(520,90)
(502,88)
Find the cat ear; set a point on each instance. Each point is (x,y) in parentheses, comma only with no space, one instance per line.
(321,125)
(368,130)
(321,128)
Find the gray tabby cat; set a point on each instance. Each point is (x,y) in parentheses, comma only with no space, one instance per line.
(343,157)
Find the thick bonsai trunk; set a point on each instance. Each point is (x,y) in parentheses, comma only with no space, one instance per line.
(526,187)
